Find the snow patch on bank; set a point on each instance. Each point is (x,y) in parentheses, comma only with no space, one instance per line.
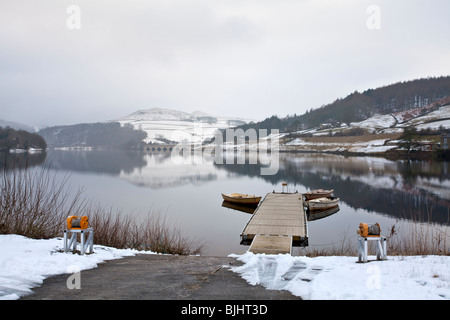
(341,278)
(25,263)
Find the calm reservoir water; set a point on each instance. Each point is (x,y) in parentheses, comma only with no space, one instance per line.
(370,190)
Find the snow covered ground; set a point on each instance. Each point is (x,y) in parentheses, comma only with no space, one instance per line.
(25,263)
(341,278)
(375,123)
(394,123)
(372,146)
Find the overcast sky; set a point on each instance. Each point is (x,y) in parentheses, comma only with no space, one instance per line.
(101,60)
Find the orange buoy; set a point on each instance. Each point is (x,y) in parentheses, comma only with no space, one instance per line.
(74,222)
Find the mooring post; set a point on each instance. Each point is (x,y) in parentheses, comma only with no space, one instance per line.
(79,225)
(363,248)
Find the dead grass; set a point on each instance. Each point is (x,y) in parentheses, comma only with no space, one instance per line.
(34,203)
(351,139)
(418,238)
(122,231)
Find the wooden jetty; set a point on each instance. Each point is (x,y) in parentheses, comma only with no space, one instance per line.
(278,223)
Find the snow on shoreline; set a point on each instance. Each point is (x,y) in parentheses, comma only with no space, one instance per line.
(371,146)
(25,263)
(342,278)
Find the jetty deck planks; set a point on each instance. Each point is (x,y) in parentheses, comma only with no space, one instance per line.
(271,244)
(278,216)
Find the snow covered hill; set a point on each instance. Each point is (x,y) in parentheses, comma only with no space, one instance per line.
(377,134)
(421,118)
(167,125)
(431,116)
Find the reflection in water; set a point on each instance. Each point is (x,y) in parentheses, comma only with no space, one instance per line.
(155,171)
(22,159)
(161,172)
(320,214)
(370,189)
(242,208)
(108,162)
(401,189)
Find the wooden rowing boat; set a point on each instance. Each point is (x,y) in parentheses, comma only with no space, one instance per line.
(322,203)
(318,193)
(243,199)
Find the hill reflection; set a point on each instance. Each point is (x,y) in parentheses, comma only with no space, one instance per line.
(418,190)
